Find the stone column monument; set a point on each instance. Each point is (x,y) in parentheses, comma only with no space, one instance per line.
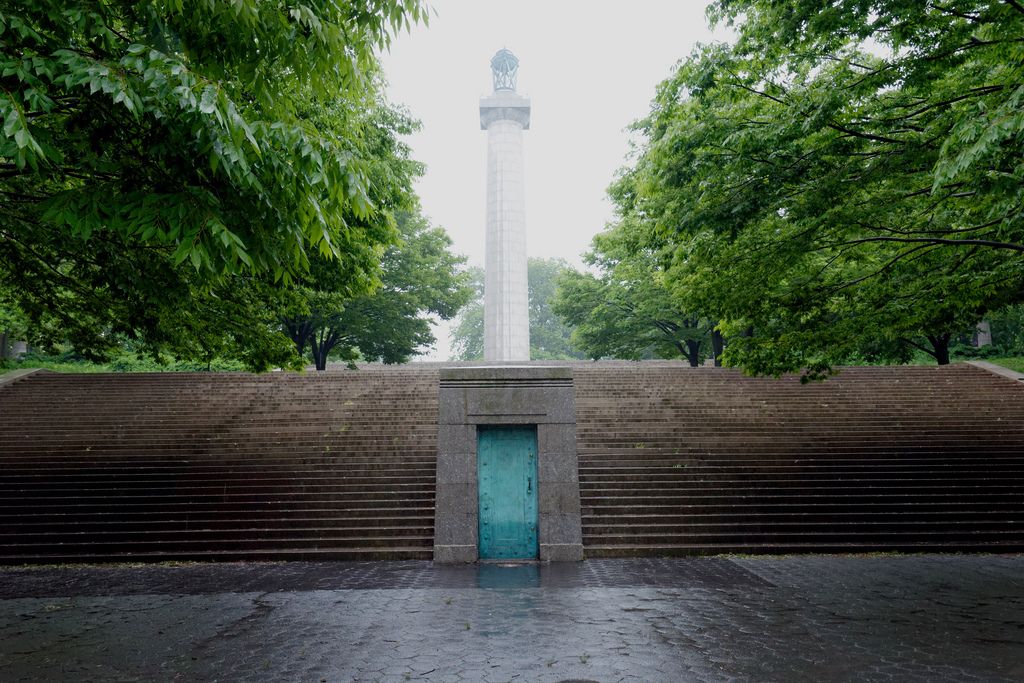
(505,114)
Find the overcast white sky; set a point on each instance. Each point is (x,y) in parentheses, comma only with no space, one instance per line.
(589,68)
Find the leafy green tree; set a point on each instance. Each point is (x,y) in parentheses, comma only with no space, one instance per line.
(420,277)
(1007,326)
(153,155)
(844,180)
(13,325)
(627,309)
(468,335)
(550,338)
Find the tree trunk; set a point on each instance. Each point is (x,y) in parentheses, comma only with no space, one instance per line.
(940,344)
(320,352)
(717,346)
(693,355)
(3,345)
(691,351)
(300,332)
(323,343)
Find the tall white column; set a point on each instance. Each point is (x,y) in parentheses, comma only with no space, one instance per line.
(505,115)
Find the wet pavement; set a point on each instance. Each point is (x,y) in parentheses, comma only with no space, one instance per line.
(851,618)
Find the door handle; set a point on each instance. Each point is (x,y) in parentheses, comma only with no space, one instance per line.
(529,484)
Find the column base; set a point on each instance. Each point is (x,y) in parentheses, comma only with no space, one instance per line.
(455,554)
(561,552)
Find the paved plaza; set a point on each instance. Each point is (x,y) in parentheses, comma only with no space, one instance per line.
(851,618)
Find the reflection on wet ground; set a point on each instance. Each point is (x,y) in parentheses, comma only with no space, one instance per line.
(242,577)
(804,618)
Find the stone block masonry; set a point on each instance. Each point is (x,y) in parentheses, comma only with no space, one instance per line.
(509,395)
(505,115)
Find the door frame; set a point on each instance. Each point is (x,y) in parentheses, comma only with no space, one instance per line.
(527,493)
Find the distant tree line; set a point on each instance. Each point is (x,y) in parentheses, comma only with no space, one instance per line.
(549,335)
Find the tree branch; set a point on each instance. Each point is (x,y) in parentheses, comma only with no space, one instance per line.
(887,266)
(865,136)
(919,347)
(755,91)
(936,240)
(931,232)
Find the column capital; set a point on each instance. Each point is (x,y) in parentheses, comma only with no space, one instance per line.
(504,106)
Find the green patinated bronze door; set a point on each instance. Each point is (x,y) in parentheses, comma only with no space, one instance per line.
(507,472)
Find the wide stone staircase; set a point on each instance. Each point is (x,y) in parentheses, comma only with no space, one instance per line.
(672,461)
(169,466)
(680,461)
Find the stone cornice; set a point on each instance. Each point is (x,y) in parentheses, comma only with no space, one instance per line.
(504,106)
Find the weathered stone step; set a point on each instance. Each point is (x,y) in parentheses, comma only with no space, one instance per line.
(897,464)
(70,466)
(768,489)
(603,510)
(222,555)
(376,535)
(185,447)
(642,457)
(44,484)
(209,469)
(797,478)
(757,499)
(190,496)
(142,544)
(891,441)
(228,504)
(756,526)
(807,546)
(207,514)
(271,519)
(836,535)
(799,515)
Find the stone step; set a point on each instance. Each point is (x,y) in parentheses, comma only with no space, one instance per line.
(213,465)
(191,497)
(376,449)
(46,485)
(816,489)
(755,498)
(803,477)
(680,456)
(859,465)
(1009,534)
(412,535)
(209,514)
(271,519)
(227,504)
(62,556)
(63,472)
(758,526)
(143,544)
(826,514)
(807,546)
(1012,506)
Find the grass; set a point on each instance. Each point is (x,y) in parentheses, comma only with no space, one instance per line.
(122,362)
(56,366)
(1014,363)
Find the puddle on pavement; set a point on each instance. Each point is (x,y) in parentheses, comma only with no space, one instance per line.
(508,575)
